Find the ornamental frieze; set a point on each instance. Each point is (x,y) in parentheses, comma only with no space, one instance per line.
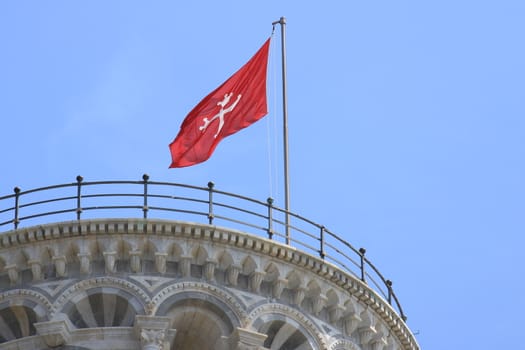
(154,268)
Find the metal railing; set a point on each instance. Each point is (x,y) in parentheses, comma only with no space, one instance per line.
(166,199)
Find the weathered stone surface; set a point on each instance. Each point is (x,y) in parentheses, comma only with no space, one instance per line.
(116,284)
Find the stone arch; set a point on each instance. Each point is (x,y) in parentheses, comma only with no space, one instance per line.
(286,328)
(16,322)
(102,302)
(103,307)
(295,280)
(127,245)
(231,304)
(37,252)
(198,309)
(84,246)
(148,248)
(174,251)
(314,288)
(134,243)
(344,344)
(195,317)
(315,299)
(224,260)
(109,243)
(17,258)
(248,265)
(272,272)
(332,298)
(159,244)
(38,302)
(199,254)
(19,311)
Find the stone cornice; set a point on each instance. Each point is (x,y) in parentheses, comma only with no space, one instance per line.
(119,239)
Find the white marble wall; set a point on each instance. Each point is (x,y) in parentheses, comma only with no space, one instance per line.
(134,284)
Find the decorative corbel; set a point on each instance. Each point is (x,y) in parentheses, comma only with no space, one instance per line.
(134,260)
(110,258)
(160,262)
(233,274)
(60,265)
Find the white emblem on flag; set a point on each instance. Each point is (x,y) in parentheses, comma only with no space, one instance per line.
(221,113)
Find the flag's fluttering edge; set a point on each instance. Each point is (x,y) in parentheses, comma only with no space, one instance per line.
(237,103)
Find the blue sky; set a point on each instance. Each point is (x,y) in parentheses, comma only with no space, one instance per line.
(406,128)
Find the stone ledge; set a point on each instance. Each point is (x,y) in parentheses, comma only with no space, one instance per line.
(126,230)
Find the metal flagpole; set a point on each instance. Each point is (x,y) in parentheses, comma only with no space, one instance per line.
(282,22)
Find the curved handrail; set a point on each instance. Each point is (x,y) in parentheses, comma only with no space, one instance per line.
(195,201)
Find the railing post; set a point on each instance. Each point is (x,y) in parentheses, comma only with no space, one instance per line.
(270,217)
(362,252)
(79,196)
(389,286)
(287,226)
(210,202)
(145,209)
(321,243)
(17,195)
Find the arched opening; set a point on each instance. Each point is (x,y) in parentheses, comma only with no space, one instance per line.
(103,308)
(285,328)
(284,336)
(17,322)
(200,324)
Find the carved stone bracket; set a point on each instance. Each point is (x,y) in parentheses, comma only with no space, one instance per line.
(153,332)
(12,272)
(60,265)
(209,269)
(352,319)
(335,313)
(233,274)
(351,322)
(57,332)
(299,294)
(185,266)
(278,287)
(160,262)
(110,257)
(367,334)
(378,344)
(134,257)
(134,261)
(256,279)
(244,339)
(85,263)
(391,343)
(236,268)
(318,303)
(367,330)
(36,269)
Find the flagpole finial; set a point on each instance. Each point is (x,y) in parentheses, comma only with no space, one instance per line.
(281,21)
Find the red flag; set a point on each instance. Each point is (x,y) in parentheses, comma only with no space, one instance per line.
(237,103)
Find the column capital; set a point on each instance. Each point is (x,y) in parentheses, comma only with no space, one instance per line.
(245,339)
(57,332)
(154,332)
